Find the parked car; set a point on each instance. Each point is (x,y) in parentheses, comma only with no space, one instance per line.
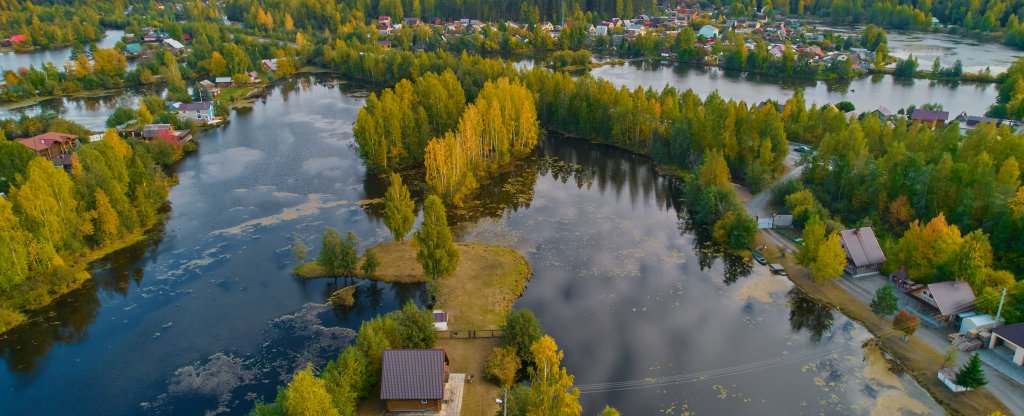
(758,257)
(801,149)
(777,269)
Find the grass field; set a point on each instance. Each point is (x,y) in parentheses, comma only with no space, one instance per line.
(479,295)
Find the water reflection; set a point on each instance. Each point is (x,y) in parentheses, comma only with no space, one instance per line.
(806,313)
(865,92)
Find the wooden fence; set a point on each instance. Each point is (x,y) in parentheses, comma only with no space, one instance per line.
(470,334)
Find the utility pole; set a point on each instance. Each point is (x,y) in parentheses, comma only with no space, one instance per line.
(1000,311)
(563,14)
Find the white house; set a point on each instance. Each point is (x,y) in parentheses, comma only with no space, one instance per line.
(201,111)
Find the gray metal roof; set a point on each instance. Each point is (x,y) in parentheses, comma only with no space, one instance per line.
(413,375)
(862,247)
(952,297)
(1013,333)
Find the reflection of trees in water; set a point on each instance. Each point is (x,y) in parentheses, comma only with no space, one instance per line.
(22,345)
(707,251)
(735,267)
(839,85)
(67,319)
(369,298)
(807,313)
(607,167)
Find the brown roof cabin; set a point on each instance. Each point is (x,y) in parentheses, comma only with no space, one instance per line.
(944,300)
(863,253)
(930,118)
(414,380)
(54,146)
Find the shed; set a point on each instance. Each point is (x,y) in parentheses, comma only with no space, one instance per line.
(948,377)
(971,323)
(413,380)
(1012,337)
(440,320)
(863,253)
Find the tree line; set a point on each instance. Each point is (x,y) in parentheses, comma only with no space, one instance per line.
(918,188)
(51,219)
(499,127)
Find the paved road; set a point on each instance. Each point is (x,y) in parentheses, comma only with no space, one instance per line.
(1006,389)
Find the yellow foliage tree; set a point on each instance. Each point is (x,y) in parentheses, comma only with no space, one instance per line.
(307,395)
(714,172)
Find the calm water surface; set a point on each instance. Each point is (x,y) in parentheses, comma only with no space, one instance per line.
(15,60)
(204,316)
(974,54)
(866,93)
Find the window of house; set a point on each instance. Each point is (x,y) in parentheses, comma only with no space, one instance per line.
(423,401)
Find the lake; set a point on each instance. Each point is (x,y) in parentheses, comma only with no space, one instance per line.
(975,55)
(57,56)
(204,316)
(867,92)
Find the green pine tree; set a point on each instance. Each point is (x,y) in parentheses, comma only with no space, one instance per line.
(971,374)
(885,301)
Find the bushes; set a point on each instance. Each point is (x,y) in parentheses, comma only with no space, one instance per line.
(502,366)
(569,59)
(520,331)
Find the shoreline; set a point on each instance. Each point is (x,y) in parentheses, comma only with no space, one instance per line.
(80,267)
(913,357)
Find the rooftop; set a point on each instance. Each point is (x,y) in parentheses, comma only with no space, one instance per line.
(862,246)
(1013,333)
(413,374)
(46,140)
(921,114)
(952,297)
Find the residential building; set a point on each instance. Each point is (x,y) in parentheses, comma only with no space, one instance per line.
(1011,340)
(174,46)
(57,147)
(882,113)
(968,123)
(863,253)
(414,380)
(708,32)
(269,64)
(944,300)
(166,133)
(132,49)
(930,118)
(222,81)
(200,112)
